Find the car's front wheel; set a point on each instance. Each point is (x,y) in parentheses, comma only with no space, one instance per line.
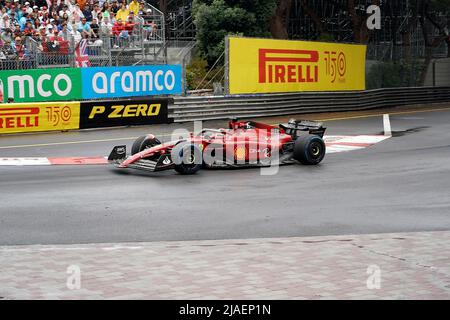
(144,142)
(187,158)
(309,149)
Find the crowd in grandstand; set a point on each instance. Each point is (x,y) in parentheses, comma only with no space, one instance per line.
(51,23)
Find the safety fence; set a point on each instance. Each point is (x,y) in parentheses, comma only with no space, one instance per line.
(222,107)
(141,42)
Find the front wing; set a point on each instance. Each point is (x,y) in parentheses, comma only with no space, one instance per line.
(118,155)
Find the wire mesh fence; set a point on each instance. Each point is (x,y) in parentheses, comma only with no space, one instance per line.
(139,41)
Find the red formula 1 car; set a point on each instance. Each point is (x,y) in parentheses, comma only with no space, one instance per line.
(243,144)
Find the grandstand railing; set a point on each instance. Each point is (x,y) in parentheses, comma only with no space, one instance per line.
(145,45)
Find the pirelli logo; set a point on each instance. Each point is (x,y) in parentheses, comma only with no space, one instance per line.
(288,66)
(12,118)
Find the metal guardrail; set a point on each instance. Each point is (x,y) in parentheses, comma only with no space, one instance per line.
(222,107)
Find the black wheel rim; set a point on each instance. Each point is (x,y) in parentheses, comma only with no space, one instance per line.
(315,150)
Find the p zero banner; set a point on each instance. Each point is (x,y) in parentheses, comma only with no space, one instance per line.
(97,114)
(36,85)
(66,84)
(133,81)
(268,66)
(30,117)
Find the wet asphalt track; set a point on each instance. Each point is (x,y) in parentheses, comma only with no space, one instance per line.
(401,184)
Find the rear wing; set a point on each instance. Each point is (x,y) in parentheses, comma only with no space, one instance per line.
(294,127)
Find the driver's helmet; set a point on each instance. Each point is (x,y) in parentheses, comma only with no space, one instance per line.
(248,126)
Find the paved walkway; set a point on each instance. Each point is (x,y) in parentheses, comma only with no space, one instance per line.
(401,266)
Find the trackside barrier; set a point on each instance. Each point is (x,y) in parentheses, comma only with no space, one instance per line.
(74,84)
(62,116)
(99,114)
(222,107)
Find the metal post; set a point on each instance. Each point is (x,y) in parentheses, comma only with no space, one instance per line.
(434,73)
(226,78)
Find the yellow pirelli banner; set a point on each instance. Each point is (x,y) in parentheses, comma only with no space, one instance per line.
(31,117)
(268,66)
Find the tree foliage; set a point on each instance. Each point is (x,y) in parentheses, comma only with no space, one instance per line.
(214,19)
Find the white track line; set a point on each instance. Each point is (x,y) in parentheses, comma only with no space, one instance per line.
(387,125)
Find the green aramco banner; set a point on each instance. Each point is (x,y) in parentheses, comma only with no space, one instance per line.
(36,85)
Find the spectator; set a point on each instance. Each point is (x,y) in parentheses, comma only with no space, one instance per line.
(84,28)
(106,10)
(44,16)
(97,10)
(35,11)
(106,26)
(7,35)
(122,13)
(5,23)
(8,51)
(129,24)
(142,11)
(49,30)
(112,17)
(65,17)
(134,7)
(65,10)
(37,23)
(65,32)
(23,19)
(29,29)
(42,33)
(28,8)
(81,4)
(149,29)
(118,27)
(95,28)
(14,10)
(114,6)
(75,33)
(87,14)
(77,14)
(20,48)
(120,33)
(16,28)
(12,15)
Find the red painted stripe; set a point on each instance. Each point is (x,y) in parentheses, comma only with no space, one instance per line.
(78,160)
(350,144)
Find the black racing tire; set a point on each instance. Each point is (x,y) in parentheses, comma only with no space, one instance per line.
(187,162)
(309,149)
(144,142)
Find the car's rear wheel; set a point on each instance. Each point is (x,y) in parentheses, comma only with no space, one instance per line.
(309,149)
(187,158)
(144,142)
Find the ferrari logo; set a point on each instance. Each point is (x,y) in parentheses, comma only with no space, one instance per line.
(240,153)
